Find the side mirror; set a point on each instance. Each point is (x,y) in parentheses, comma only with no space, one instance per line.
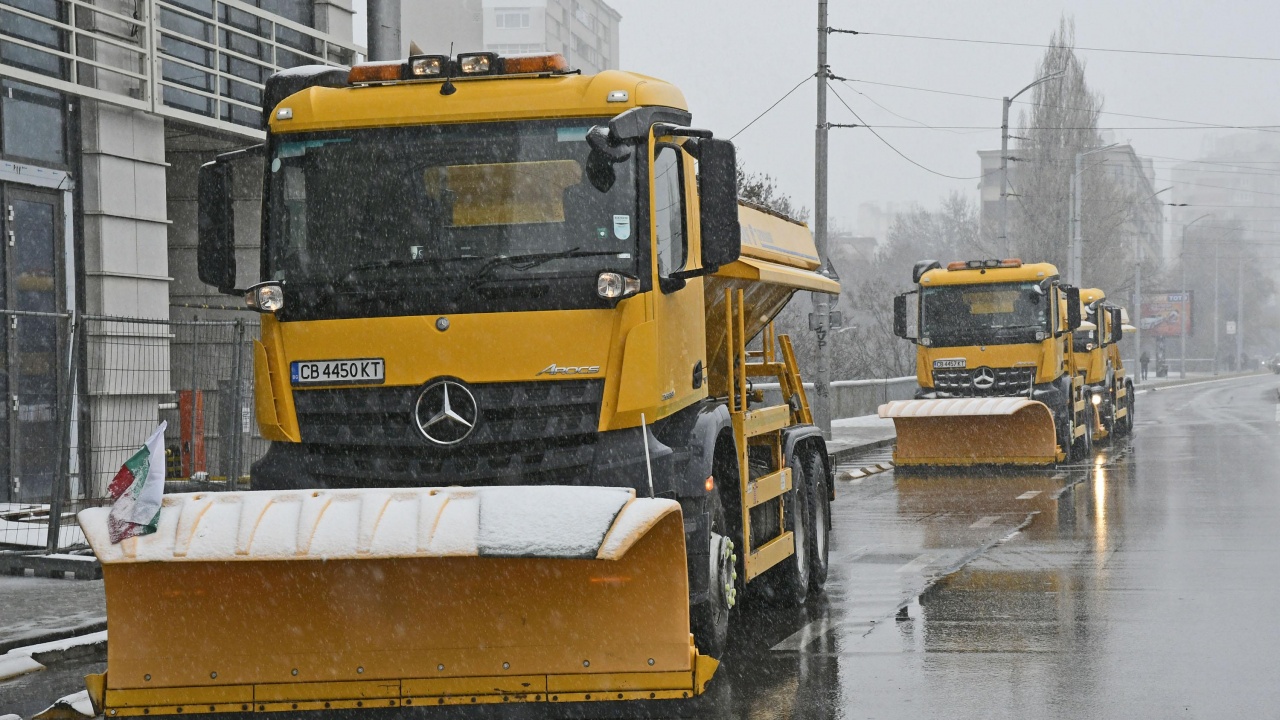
(1117,326)
(1073,308)
(718,202)
(215,218)
(902,316)
(215,227)
(923,267)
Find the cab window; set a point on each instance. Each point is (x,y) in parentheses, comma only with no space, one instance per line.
(668,210)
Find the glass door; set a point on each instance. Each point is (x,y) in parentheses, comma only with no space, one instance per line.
(31,281)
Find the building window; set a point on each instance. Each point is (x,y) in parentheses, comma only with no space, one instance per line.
(515,48)
(511,17)
(37,33)
(32,123)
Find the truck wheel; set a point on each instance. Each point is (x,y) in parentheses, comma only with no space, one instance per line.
(710,619)
(1129,403)
(820,522)
(789,584)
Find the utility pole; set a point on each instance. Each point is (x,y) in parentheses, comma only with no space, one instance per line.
(1239,311)
(1003,241)
(1077,242)
(1186,297)
(383,24)
(1216,320)
(821,301)
(1076,259)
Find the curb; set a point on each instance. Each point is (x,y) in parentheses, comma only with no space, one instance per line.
(53,635)
(853,450)
(34,657)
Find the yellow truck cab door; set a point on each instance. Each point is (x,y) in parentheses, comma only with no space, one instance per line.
(676,304)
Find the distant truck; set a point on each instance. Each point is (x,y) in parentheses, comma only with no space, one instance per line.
(999,381)
(1097,345)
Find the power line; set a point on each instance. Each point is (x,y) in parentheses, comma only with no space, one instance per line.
(1128,51)
(1059,107)
(890,145)
(1264,128)
(771,107)
(882,107)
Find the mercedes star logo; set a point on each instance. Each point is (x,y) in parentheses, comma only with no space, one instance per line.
(446,412)
(984,378)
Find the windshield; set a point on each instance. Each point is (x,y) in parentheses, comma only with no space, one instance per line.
(478,217)
(1085,340)
(1004,313)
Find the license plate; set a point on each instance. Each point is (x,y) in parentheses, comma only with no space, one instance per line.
(949,363)
(362,371)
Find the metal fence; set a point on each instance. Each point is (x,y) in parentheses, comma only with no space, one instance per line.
(83,392)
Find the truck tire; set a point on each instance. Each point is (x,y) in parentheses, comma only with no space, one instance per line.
(787,583)
(820,521)
(1129,404)
(709,620)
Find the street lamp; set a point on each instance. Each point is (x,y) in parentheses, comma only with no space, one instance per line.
(1002,241)
(1137,273)
(1077,244)
(1182,260)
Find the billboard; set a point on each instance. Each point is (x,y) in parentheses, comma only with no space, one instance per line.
(1166,314)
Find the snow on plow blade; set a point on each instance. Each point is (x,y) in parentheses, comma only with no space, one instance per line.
(972,431)
(343,599)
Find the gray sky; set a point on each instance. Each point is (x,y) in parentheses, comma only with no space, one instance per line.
(734,59)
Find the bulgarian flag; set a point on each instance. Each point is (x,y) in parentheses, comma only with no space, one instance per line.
(138,490)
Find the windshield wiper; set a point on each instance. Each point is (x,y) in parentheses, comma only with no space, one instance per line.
(401,262)
(529,260)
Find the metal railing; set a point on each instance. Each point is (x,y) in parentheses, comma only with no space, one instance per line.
(204,61)
(79,407)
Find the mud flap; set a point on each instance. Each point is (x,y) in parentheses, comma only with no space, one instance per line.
(259,601)
(972,431)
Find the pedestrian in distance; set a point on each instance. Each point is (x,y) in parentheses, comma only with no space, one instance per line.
(1144,360)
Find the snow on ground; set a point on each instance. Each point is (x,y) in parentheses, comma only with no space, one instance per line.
(19,661)
(864,421)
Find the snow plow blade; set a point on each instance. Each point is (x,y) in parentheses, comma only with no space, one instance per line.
(972,431)
(346,599)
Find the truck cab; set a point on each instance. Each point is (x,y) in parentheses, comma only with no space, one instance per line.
(1097,347)
(997,328)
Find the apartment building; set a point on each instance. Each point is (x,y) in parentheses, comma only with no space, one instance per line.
(584,31)
(107,109)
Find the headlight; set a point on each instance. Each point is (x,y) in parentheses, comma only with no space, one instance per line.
(430,66)
(477,64)
(1097,399)
(266,297)
(612,285)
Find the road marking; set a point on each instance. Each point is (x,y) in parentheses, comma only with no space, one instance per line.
(799,639)
(985,522)
(1028,495)
(916,565)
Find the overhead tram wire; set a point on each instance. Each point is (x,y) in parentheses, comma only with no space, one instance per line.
(774,105)
(889,144)
(1127,51)
(1258,128)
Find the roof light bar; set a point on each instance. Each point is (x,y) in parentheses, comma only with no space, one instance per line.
(982,264)
(439,67)
(375,72)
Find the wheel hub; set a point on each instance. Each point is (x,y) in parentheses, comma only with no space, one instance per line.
(723,572)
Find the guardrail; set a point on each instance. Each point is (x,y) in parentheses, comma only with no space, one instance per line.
(205,61)
(852,398)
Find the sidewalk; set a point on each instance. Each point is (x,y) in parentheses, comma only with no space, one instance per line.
(850,436)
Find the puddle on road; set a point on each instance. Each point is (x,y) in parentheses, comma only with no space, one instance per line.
(950,566)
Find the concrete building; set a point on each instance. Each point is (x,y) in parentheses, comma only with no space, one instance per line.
(1134,174)
(1237,180)
(107,108)
(585,31)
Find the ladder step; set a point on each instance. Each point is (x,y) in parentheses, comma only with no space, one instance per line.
(768,487)
(769,554)
(763,421)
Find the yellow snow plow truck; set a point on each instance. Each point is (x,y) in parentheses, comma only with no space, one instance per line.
(516,455)
(998,377)
(1098,349)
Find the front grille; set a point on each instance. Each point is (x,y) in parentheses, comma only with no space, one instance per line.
(526,432)
(1008,381)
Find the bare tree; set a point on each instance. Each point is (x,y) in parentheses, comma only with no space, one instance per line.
(761,189)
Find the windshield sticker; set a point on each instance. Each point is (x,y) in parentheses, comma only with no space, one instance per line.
(575,134)
(275,165)
(622,227)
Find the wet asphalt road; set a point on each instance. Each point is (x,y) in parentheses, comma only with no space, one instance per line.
(1143,584)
